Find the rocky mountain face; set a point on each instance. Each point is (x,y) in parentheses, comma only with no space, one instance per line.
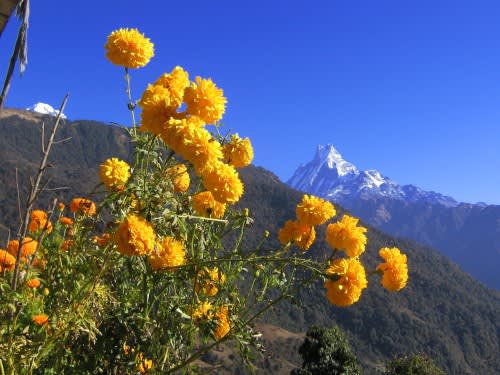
(467,233)
(443,311)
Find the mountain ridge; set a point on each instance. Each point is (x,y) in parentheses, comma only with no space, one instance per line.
(329,175)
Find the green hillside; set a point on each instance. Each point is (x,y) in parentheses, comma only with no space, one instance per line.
(443,312)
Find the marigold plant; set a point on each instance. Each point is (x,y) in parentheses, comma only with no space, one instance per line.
(155,270)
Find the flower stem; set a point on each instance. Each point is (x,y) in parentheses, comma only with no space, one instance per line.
(131,104)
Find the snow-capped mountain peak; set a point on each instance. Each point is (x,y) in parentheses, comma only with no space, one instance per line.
(45,109)
(330,176)
(328,154)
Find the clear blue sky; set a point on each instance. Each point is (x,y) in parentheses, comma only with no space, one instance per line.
(409,88)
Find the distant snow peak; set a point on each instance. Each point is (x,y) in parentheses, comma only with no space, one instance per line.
(328,154)
(329,175)
(45,109)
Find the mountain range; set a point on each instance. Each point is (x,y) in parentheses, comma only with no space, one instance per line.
(467,233)
(443,311)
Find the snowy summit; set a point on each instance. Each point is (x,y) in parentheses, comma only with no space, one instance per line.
(328,175)
(45,109)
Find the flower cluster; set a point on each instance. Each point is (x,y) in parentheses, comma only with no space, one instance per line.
(310,211)
(39,221)
(185,132)
(395,269)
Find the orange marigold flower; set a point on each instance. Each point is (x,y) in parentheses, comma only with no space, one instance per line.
(39,221)
(209,281)
(205,100)
(28,247)
(66,221)
(7,261)
(300,234)
(129,48)
(102,240)
(204,204)
(33,283)
(223,181)
(135,236)
(175,82)
(180,177)
(314,211)
(347,236)
(395,269)
(65,246)
(39,263)
(168,253)
(40,319)
(348,279)
(83,206)
(61,206)
(223,326)
(238,152)
(114,173)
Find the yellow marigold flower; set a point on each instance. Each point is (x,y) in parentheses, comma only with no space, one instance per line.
(348,281)
(114,173)
(223,181)
(168,253)
(129,48)
(300,234)
(205,100)
(33,283)
(180,177)
(314,211)
(153,118)
(7,261)
(223,326)
(209,281)
(156,96)
(395,269)
(143,364)
(66,221)
(135,236)
(347,236)
(203,311)
(176,82)
(39,221)
(188,138)
(238,152)
(83,206)
(204,204)
(28,247)
(40,319)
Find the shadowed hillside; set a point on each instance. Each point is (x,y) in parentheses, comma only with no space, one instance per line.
(443,312)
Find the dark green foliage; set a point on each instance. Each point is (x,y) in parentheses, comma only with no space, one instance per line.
(418,364)
(325,351)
